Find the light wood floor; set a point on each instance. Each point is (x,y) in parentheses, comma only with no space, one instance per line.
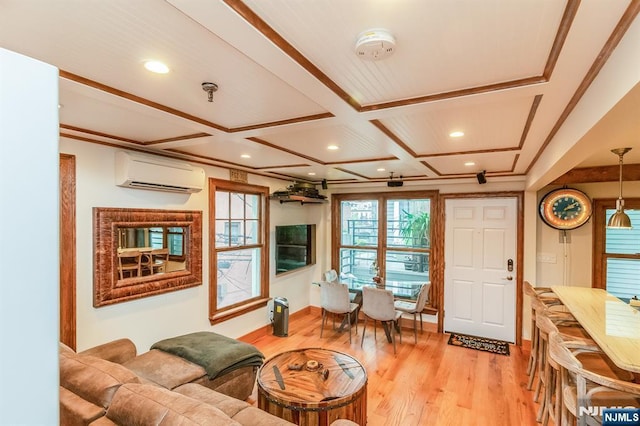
(428,383)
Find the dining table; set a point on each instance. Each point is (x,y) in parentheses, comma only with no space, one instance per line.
(613,324)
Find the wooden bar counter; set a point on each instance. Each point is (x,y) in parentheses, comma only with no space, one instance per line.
(313,387)
(611,323)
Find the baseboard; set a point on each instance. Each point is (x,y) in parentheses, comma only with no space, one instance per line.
(405,323)
(268,329)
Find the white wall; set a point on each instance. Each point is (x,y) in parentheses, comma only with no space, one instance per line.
(150,319)
(29,251)
(575,267)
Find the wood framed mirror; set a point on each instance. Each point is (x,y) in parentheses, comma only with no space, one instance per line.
(144,252)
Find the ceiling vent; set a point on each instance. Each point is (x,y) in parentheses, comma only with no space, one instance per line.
(375,45)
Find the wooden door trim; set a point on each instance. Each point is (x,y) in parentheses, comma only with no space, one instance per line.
(68,250)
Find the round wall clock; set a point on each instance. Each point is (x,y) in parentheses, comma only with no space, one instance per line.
(565,208)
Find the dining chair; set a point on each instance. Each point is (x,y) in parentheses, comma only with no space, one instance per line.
(129,264)
(159,260)
(331,276)
(584,388)
(334,298)
(377,304)
(415,308)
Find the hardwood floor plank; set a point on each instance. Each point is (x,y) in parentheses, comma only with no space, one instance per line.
(428,383)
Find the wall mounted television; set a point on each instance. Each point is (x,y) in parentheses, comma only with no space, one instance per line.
(295,247)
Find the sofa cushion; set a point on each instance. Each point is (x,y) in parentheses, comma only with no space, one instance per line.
(238,410)
(119,351)
(93,379)
(167,370)
(75,411)
(141,404)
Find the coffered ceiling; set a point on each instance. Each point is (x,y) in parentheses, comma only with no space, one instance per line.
(508,74)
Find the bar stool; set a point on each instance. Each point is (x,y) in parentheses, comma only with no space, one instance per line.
(583,385)
(549,322)
(541,298)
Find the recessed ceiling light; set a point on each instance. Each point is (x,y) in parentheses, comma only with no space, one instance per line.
(381,169)
(157,67)
(245,156)
(456,134)
(311,173)
(332,147)
(470,163)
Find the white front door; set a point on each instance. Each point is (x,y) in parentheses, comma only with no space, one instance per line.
(480,245)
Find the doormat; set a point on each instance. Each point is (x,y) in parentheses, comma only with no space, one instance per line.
(479,343)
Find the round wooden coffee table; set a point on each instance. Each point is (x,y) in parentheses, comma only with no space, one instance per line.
(313,386)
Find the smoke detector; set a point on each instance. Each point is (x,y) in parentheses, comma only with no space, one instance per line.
(375,44)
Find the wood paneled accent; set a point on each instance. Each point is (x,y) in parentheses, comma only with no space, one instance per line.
(428,383)
(599,174)
(68,250)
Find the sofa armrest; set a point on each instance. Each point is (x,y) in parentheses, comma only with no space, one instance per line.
(118,351)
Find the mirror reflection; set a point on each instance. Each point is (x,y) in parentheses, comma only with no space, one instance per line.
(149,251)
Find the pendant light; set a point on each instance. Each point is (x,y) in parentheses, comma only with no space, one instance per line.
(620,220)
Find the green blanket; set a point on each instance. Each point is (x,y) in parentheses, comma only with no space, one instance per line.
(217,354)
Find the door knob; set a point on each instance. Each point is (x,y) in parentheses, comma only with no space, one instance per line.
(509,278)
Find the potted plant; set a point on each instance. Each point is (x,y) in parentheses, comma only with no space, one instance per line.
(414,229)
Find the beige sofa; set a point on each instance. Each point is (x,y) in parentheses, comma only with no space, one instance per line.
(97,388)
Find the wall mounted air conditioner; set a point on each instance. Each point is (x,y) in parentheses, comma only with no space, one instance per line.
(140,171)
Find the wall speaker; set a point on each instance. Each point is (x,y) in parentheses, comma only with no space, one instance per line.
(324,184)
(481,178)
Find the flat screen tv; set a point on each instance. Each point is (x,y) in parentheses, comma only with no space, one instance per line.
(295,247)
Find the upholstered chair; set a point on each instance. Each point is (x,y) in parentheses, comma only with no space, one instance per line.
(415,308)
(334,298)
(377,304)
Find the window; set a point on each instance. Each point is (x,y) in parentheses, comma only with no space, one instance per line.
(385,235)
(617,251)
(238,249)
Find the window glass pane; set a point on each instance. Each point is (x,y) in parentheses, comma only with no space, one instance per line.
(237,205)
(175,242)
(223,239)
(408,223)
(622,277)
(251,232)
(155,238)
(359,223)
(407,267)
(222,205)
(253,206)
(357,265)
(238,276)
(624,241)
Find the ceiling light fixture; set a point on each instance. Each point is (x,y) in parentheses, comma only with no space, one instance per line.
(245,156)
(381,169)
(375,44)
(620,220)
(456,134)
(156,67)
(210,88)
(470,163)
(311,173)
(332,147)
